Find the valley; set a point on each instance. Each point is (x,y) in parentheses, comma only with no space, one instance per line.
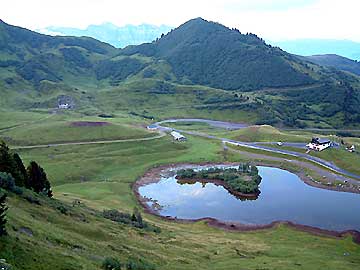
(235,99)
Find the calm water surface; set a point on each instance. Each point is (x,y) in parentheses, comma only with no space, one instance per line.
(283,197)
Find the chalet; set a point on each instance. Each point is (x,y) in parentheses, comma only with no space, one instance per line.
(319,144)
(64,106)
(177,136)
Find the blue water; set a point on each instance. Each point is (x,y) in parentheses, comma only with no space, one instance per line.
(283,197)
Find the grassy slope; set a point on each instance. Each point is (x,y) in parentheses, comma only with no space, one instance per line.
(263,133)
(66,242)
(80,240)
(66,131)
(181,101)
(10,119)
(340,157)
(267,133)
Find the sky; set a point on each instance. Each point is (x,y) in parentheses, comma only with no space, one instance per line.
(275,20)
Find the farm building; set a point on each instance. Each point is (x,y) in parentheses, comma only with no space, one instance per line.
(177,136)
(319,144)
(152,127)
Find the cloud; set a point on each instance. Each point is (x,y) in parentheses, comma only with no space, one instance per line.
(265,5)
(270,19)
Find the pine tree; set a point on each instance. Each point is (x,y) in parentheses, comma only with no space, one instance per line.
(37,179)
(12,164)
(3,209)
(20,171)
(6,159)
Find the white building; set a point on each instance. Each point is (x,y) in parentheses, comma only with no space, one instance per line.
(64,106)
(319,144)
(177,136)
(152,127)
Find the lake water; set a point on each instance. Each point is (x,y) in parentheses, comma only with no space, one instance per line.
(283,197)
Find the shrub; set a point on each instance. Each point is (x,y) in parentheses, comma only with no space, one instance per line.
(134,264)
(32,199)
(111,264)
(134,220)
(63,210)
(7,182)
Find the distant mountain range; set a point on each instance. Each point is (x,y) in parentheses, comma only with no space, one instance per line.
(119,37)
(306,47)
(200,63)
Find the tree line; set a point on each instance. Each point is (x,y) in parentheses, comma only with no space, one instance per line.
(14,176)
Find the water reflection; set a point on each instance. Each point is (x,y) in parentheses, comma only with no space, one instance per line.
(283,197)
(250,197)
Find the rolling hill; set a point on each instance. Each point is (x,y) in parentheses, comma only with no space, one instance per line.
(211,54)
(201,69)
(336,61)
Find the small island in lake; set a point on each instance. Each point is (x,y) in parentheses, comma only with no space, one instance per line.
(241,181)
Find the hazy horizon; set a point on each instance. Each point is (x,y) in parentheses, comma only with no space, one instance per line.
(276,20)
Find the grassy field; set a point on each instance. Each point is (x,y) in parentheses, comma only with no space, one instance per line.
(10,119)
(102,174)
(63,131)
(70,127)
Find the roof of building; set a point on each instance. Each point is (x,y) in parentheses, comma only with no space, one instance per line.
(177,135)
(320,140)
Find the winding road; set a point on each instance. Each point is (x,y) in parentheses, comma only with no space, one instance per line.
(161,134)
(254,145)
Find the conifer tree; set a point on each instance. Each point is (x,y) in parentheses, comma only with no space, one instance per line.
(37,179)
(6,159)
(12,164)
(21,173)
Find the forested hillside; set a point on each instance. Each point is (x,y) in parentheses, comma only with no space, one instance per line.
(208,53)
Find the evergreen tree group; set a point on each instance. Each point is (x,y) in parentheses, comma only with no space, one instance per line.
(34,177)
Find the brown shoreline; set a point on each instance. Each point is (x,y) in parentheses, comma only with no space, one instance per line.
(153,176)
